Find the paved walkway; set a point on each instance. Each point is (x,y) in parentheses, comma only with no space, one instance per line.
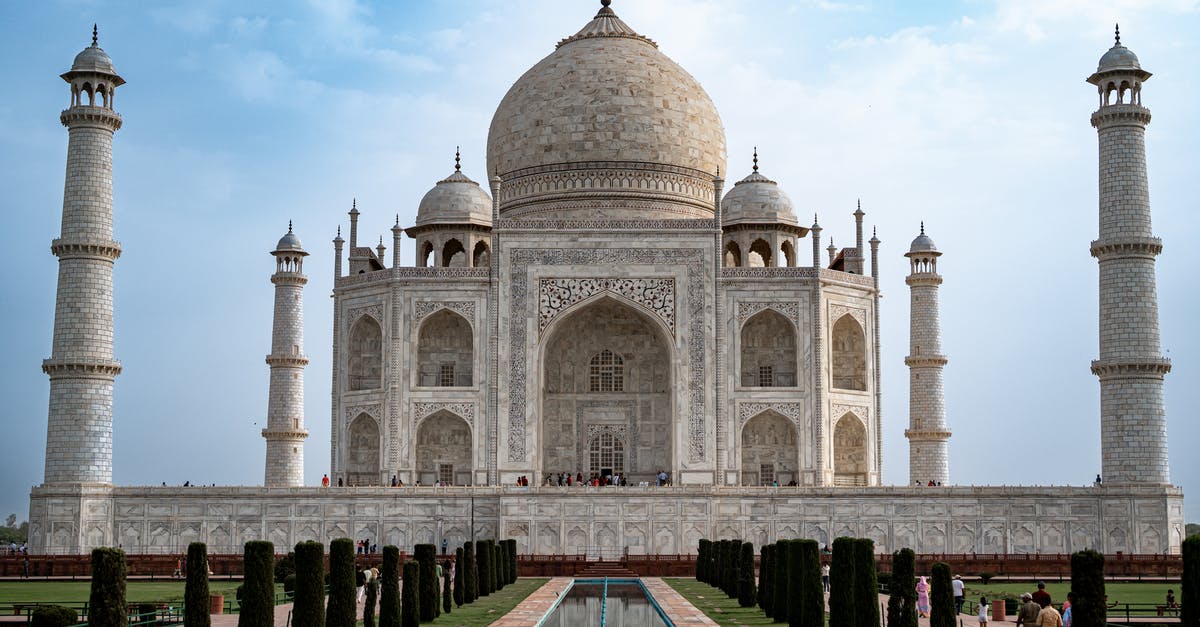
(231,620)
(535,606)
(678,609)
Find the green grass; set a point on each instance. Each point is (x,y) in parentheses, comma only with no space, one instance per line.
(79,591)
(719,607)
(1117,592)
(486,610)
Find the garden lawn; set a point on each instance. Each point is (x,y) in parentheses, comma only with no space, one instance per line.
(1117,592)
(716,605)
(487,609)
(32,591)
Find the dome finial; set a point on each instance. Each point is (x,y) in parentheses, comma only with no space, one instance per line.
(457,160)
(1118,32)
(289,226)
(756,158)
(605,3)
(922,227)
(95,35)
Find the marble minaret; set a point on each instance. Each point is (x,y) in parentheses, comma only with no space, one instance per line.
(285,432)
(927,432)
(1133,431)
(81,366)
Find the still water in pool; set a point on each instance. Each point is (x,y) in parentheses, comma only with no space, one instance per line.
(627,606)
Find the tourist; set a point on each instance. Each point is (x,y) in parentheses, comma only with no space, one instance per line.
(825,577)
(1040,596)
(1027,614)
(1048,616)
(1066,611)
(395,481)
(360,583)
(325,481)
(25,568)
(959,591)
(1172,604)
(922,595)
(982,612)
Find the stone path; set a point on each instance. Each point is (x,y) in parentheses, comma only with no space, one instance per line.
(678,609)
(231,620)
(535,606)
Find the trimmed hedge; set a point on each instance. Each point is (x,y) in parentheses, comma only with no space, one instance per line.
(470,573)
(841,584)
(765,571)
(447,599)
(410,599)
(866,588)
(494,567)
(1087,583)
(195,590)
(701,555)
(483,558)
(426,555)
(500,564)
(941,598)
(342,608)
(389,588)
(795,584)
(779,604)
(812,597)
(902,590)
(258,587)
(459,571)
(1190,584)
(53,616)
(107,603)
(513,571)
(372,599)
(746,590)
(308,609)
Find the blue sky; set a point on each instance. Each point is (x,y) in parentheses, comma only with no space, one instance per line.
(240,116)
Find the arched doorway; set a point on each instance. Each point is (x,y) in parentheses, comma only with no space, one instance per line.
(444,450)
(848,367)
(445,351)
(365,363)
(606,400)
(770,455)
(768,351)
(849,451)
(362,451)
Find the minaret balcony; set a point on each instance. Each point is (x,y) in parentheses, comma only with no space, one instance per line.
(1150,368)
(923,278)
(296,361)
(81,368)
(1121,114)
(927,435)
(1126,248)
(926,361)
(99,250)
(285,434)
(85,115)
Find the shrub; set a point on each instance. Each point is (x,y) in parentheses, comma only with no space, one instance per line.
(284,567)
(746,591)
(53,616)
(195,593)
(986,578)
(701,556)
(258,598)
(410,599)
(513,571)
(499,564)
(470,574)
(372,599)
(779,602)
(941,598)
(795,584)
(765,570)
(841,584)
(308,600)
(447,601)
(107,603)
(717,577)
(866,590)
(1190,582)
(1087,583)
(493,567)
(425,555)
(902,590)
(389,588)
(812,597)
(342,610)
(459,571)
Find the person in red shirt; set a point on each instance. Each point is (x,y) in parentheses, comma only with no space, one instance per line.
(1041,597)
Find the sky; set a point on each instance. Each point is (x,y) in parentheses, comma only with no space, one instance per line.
(971,116)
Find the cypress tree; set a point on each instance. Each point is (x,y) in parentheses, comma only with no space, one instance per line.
(410,598)
(496,566)
(513,571)
(866,586)
(941,598)
(779,592)
(701,557)
(902,590)
(458,577)
(106,606)
(308,599)
(470,574)
(482,557)
(718,572)
(372,599)
(746,591)
(795,584)
(812,594)
(389,588)
(342,609)
(841,584)
(501,564)
(765,570)
(1087,583)
(258,596)
(447,600)
(426,555)
(733,567)
(195,595)
(1190,582)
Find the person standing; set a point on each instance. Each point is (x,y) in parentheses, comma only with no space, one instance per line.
(982,612)
(959,592)
(325,481)
(1027,614)
(923,598)
(1049,617)
(1041,597)
(825,576)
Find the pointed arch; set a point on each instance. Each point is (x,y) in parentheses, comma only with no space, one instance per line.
(444,445)
(481,256)
(365,362)
(453,254)
(425,254)
(769,450)
(760,254)
(848,355)
(733,255)
(445,351)
(789,253)
(849,451)
(768,351)
(362,451)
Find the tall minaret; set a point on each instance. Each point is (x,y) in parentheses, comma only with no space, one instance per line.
(81,366)
(927,432)
(285,430)
(1131,366)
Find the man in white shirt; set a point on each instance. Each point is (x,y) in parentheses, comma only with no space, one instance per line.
(959,591)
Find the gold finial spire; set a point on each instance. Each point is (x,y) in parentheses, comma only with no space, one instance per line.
(95,36)
(457,160)
(1118,33)
(756,158)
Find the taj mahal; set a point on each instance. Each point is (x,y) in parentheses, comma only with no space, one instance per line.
(602,302)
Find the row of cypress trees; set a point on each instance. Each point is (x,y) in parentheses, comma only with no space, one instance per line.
(790,580)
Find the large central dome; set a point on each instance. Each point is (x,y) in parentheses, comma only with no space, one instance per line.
(606,126)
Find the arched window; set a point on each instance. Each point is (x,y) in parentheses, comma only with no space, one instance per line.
(453,255)
(482,256)
(789,254)
(849,451)
(769,452)
(424,260)
(445,351)
(607,372)
(444,450)
(365,365)
(606,453)
(733,255)
(362,451)
(848,367)
(768,350)
(760,254)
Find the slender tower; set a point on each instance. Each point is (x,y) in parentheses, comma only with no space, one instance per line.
(927,432)
(1131,366)
(81,366)
(285,430)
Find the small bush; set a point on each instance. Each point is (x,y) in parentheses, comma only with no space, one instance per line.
(389,588)
(308,598)
(258,599)
(53,616)
(195,594)
(986,578)
(107,603)
(410,599)
(289,585)
(284,567)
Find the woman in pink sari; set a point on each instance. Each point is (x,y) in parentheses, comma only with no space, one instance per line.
(923,598)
